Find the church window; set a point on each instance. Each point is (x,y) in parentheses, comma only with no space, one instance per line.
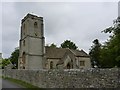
(23,59)
(68,66)
(42,29)
(35,25)
(24,26)
(35,28)
(51,65)
(82,63)
(24,29)
(24,43)
(35,34)
(23,67)
(72,64)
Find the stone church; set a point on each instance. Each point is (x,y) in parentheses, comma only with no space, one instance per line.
(35,55)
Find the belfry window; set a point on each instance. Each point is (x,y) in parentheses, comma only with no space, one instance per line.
(24,29)
(35,25)
(35,28)
(24,26)
(24,43)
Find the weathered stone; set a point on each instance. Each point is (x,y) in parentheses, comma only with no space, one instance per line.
(91,78)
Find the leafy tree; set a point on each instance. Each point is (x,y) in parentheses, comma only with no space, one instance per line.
(110,53)
(69,44)
(14,57)
(5,62)
(52,45)
(95,53)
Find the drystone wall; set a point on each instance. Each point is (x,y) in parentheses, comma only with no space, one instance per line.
(73,78)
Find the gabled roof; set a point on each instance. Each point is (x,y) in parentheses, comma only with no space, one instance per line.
(80,53)
(58,53)
(55,52)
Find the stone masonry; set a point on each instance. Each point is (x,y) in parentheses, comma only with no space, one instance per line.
(72,78)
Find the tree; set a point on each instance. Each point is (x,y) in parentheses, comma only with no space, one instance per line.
(5,62)
(14,57)
(95,53)
(52,45)
(69,44)
(111,50)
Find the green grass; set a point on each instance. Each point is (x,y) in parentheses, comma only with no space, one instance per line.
(22,83)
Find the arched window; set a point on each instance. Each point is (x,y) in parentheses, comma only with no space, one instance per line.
(71,64)
(68,66)
(24,29)
(35,28)
(23,60)
(23,26)
(35,25)
(51,65)
(24,43)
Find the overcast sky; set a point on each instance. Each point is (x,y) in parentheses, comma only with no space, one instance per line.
(80,22)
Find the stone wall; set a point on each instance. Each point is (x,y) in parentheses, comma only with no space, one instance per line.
(77,78)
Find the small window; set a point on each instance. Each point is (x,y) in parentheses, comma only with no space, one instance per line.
(24,43)
(35,25)
(82,63)
(23,60)
(24,29)
(51,65)
(23,67)
(35,34)
(24,26)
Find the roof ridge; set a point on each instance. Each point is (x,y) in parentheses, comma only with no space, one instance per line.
(84,51)
(71,51)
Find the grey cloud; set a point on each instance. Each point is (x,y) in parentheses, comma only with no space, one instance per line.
(0,27)
(119,8)
(79,22)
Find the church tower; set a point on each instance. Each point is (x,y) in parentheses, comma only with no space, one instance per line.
(31,54)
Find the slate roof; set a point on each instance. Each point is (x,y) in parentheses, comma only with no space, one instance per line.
(58,53)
